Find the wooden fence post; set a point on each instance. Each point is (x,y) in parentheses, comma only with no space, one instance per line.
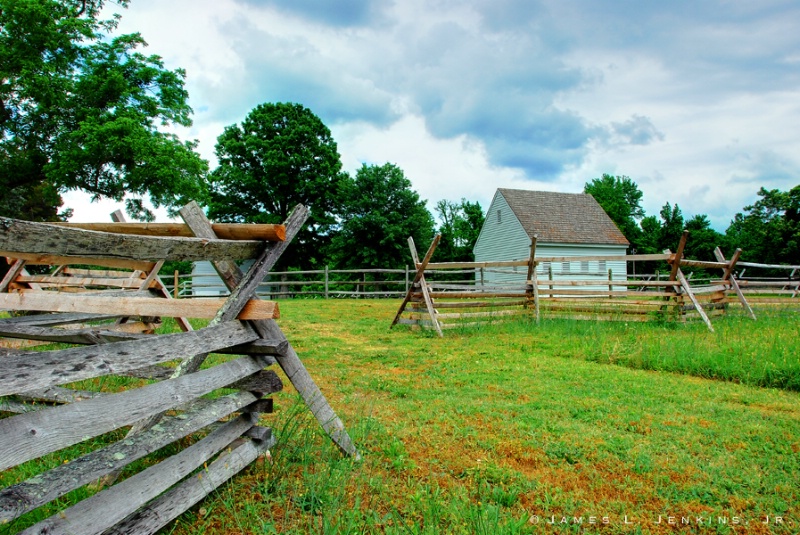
(728,276)
(610,283)
(420,278)
(688,291)
(175,287)
(532,280)
(676,260)
(327,295)
(288,359)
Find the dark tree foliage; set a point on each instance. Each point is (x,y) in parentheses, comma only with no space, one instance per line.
(651,230)
(380,211)
(671,227)
(460,225)
(621,199)
(281,155)
(702,239)
(80,110)
(768,231)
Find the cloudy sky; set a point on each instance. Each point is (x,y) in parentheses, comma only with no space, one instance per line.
(697,102)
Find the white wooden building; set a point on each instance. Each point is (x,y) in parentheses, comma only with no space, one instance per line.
(207,283)
(566,224)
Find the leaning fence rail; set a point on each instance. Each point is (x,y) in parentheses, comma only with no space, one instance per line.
(530,288)
(391,283)
(87,405)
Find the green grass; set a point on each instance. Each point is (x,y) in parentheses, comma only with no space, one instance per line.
(509,427)
(560,427)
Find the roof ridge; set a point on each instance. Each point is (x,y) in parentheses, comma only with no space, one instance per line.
(562,217)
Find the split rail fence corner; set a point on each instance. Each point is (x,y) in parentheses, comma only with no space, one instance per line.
(105,314)
(441,305)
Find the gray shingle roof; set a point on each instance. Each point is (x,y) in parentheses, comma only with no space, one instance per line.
(563,217)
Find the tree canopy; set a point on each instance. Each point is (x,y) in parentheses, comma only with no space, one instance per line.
(281,155)
(379,212)
(621,199)
(460,225)
(768,231)
(79,110)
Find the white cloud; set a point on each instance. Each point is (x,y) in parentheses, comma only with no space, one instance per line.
(696,102)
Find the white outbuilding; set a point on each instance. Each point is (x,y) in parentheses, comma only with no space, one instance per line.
(570,225)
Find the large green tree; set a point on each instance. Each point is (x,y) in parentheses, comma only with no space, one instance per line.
(460,224)
(621,198)
(281,155)
(768,231)
(380,210)
(81,110)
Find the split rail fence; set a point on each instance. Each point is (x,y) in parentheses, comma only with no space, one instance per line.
(113,393)
(327,283)
(442,305)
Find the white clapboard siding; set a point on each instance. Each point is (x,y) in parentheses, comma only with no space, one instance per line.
(503,238)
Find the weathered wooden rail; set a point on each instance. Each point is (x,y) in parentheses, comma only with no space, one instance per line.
(439,306)
(78,415)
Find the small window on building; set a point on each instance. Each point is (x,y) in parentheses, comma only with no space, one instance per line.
(584,267)
(499,218)
(564,267)
(602,266)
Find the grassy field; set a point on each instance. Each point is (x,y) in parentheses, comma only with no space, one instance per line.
(561,427)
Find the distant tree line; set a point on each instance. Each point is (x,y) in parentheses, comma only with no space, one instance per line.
(282,154)
(81,109)
(768,231)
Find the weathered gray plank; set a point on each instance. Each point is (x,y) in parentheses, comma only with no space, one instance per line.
(155,372)
(42,320)
(89,335)
(25,496)
(42,239)
(27,436)
(50,368)
(19,407)
(174,502)
(101,334)
(57,394)
(96,514)
(125,305)
(287,359)
(263,383)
